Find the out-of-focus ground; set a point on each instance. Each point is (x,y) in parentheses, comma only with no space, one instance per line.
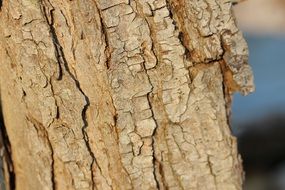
(259,119)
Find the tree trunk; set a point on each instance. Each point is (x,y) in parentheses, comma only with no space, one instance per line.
(120,94)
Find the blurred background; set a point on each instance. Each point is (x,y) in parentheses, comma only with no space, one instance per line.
(258,120)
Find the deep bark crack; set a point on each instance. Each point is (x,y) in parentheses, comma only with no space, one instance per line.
(180,34)
(63,64)
(227,96)
(107,52)
(153,135)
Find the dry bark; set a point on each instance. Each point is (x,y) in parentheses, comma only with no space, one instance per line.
(121,94)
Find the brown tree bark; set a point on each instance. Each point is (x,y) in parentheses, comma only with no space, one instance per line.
(121,94)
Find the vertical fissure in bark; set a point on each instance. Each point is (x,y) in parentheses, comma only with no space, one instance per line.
(153,140)
(52,165)
(107,64)
(39,127)
(107,52)
(7,152)
(226,92)
(63,64)
(158,172)
(153,49)
(152,113)
(153,41)
(154,160)
(56,104)
(149,23)
(180,33)
(156,124)
(211,171)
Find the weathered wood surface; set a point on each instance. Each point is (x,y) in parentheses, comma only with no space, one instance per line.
(121,94)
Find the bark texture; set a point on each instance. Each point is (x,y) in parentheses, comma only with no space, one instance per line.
(121,94)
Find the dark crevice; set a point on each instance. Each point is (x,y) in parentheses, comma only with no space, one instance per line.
(151,35)
(105,36)
(212,173)
(161,172)
(58,48)
(149,97)
(40,128)
(7,151)
(108,55)
(181,39)
(64,65)
(52,165)
(0,4)
(180,34)
(56,103)
(153,48)
(154,160)
(115,118)
(226,93)
(107,50)
(107,63)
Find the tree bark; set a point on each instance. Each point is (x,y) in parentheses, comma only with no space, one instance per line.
(121,94)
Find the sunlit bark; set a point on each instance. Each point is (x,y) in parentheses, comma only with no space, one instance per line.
(121,94)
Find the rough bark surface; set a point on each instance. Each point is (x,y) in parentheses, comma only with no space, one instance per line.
(121,94)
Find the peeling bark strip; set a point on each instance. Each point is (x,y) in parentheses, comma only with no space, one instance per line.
(122,94)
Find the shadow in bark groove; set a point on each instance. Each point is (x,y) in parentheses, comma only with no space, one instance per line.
(6,152)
